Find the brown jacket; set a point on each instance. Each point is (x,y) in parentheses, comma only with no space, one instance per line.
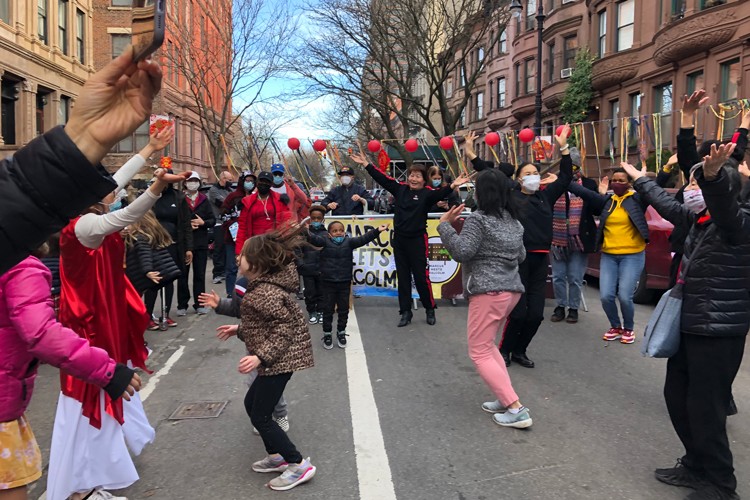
(272,324)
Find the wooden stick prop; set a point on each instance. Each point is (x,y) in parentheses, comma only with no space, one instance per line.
(283,159)
(596,149)
(320,156)
(254,147)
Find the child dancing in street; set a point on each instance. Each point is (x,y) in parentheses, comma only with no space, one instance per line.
(278,344)
(336,268)
(309,267)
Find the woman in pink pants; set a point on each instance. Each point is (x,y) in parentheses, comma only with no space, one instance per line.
(490,248)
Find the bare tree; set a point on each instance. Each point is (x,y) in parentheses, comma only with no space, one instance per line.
(228,60)
(389,63)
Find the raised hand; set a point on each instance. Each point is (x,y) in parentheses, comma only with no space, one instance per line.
(691,103)
(209,299)
(744,170)
(225,332)
(470,138)
(160,139)
(451,215)
(715,159)
(165,177)
(633,172)
(562,139)
(745,123)
(460,180)
(548,179)
(604,185)
(360,158)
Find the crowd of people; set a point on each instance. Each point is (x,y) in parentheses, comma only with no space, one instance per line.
(268,235)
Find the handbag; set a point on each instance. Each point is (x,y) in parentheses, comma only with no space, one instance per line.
(662,335)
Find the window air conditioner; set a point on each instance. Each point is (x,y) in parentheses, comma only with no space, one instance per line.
(566,72)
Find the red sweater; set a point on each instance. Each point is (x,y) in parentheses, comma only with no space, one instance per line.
(257,217)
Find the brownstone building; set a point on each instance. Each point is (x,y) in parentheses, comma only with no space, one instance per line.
(648,54)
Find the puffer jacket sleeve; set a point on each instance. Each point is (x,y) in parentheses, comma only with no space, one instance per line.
(280,330)
(464,246)
(669,208)
(33,317)
(360,241)
(42,187)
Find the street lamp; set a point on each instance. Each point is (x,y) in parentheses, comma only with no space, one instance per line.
(516,9)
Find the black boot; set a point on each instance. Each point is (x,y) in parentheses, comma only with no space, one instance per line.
(572,316)
(732,410)
(522,359)
(558,314)
(405,319)
(430,316)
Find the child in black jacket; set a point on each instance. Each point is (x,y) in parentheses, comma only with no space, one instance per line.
(309,267)
(336,268)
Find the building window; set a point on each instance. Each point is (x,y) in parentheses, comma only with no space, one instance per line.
(491,87)
(42,100)
(62,25)
(530,15)
(730,76)
(480,57)
(625,21)
(63,112)
(570,48)
(479,106)
(678,9)
(635,104)
(135,142)
(204,41)
(602,33)
(119,43)
(9,94)
(517,70)
(694,81)
(501,92)
(462,118)
(449,87)
(551,63)
(529,76)
(5,11)
(80,32)
(663,104)
(463,75)
(122,3)
(503,44)
(614,113)
(707,4)
(41,10)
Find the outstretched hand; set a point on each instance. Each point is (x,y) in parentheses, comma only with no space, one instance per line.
(209,299)
(633,172)
(562,139)
(460,181)
(604,185)
(451,215)
(227,331)
(160,139)
(691,103)
(715,159)
(360,158)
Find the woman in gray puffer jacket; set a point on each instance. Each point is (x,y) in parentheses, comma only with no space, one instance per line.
(490,248)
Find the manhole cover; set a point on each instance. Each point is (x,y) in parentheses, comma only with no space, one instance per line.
(198,409)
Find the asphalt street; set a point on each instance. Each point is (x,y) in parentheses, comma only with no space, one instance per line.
(400,417)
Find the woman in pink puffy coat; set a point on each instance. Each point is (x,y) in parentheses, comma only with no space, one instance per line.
(30,335)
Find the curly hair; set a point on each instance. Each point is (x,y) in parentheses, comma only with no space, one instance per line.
(273,251)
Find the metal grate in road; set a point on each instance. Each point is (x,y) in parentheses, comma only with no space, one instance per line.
(198,409)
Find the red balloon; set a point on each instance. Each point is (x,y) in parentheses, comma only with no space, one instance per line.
(446,142)
(293,143)
(526,135)
(373,146)
(411,145)
(559,131)
(492,139)
(319,145)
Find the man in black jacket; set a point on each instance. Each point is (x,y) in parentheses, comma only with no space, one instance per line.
(216,195)
(349,198)
(112,104)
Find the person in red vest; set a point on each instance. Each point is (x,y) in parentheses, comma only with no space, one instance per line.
(261,212)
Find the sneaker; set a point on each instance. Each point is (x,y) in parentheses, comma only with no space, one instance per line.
(327,340)
(341,339)
(300,296)
(628,337)
(202,311)
(217,280)
(320,318)
(152,325)
(494,407)
(270,464)
(558,314)
(256,432)
(613,334)
(572,316)
(313,318)
(282,422)
(520,420)
(181,312)
(294,475)
(713,492)
(680,475)
(103,495)
(170,322)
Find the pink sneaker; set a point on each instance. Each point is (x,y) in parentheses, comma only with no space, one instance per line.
(628,337)
(613,334)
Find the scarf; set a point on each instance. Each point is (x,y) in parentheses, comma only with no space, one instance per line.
(566,222)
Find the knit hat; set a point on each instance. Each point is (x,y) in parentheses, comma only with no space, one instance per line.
(575,156)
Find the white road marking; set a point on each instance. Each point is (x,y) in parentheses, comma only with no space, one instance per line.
(154,379)
(373,469)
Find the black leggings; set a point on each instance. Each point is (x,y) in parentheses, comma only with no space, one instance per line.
(528,314)
(152,294)
(411,260)
(260,401)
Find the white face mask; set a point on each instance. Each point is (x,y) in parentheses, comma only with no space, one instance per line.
(531,183)
(346,180)
(192,186)
(694,200)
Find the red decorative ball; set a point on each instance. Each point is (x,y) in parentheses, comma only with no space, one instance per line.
(373,146)
(526,135)
(559,131)
(446,142)
(293,143)
(319,145)
(411,145)
(492,139)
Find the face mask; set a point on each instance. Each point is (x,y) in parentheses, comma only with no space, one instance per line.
(619,188)
(249,186)
(277,180)
(264,189)
(531,182)
(192,186)
(338,239)
(117,205)
(436,182)
(693,200)
(346,180)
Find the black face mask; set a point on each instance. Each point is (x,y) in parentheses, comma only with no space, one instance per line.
(264,189)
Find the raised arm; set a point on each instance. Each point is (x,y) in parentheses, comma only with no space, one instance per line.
(560,185)
(687,151)
(651,193)
(593,198)
(366,238)
(442,193)
(158,140)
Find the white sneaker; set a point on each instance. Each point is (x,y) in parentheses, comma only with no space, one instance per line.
(181,312)
(255,431)
(494,407)
(104,495)
(283,423)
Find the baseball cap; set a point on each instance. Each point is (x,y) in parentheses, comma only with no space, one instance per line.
(194,175)
(267,176)
(277,167)
(248,173)
(346,171)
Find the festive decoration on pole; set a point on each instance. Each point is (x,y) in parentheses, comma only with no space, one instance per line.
(526,135)
(411,145)
(492,139)
(166,162)
(293,143)
(319,145)
(373,146)
(446,143)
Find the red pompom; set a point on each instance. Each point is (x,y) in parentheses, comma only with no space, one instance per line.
(319,145)
(492,139)
(446,142)
(411,145)
(293,143)
(526,135)
(373,146)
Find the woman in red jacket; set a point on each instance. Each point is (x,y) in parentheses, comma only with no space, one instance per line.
(261,212)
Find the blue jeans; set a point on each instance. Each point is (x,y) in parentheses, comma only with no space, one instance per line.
(230,267)
(567,278)
(619,275)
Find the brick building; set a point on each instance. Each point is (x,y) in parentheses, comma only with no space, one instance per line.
(648,54)
(45,57)
(112,18)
